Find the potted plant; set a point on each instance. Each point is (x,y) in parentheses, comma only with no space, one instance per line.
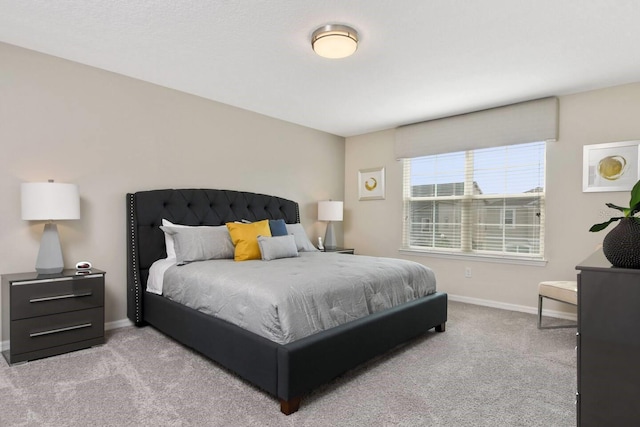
(621,245)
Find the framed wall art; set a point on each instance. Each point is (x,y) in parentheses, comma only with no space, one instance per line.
(371,184)
(613,166)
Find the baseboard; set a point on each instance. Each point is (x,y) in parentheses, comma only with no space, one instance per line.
(513,307)
(122,323)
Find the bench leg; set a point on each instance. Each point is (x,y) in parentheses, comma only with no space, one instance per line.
(540,317)
(539,311)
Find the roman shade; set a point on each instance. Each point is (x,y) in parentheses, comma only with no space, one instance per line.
(529,121)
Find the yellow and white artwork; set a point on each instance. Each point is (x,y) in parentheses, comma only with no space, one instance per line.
(611,166)
(371,184)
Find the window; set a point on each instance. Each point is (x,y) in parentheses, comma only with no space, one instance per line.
(487,201)
(508,217)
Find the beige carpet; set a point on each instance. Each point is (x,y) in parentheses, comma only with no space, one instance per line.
(491,368)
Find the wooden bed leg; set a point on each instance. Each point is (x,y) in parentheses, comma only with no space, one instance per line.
(290,406)
(441,327)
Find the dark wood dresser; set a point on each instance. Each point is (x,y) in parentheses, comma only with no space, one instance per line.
(608,344)
(50,314)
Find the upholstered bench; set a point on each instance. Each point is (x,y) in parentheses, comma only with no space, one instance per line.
(565,291)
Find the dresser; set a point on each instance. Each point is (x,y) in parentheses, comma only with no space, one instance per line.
(48,314)
(608,341)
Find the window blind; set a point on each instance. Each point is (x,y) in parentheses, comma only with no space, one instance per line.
(482,201)
(525,122)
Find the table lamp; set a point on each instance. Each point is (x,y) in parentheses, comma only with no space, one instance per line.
(330,210)
(50,201)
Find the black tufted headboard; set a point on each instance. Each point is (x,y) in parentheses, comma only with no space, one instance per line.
(146,209)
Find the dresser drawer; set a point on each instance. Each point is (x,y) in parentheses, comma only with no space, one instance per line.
(40,298)
(56,330)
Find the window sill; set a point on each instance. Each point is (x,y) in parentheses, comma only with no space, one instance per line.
(502,259)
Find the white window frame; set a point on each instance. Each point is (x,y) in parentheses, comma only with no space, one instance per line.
(503,218)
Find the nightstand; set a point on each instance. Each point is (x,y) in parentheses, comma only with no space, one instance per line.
(350,251)
(49,314)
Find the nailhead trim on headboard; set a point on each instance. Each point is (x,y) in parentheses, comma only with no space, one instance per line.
(134,274)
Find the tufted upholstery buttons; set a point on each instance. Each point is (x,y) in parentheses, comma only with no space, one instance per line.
(199,207)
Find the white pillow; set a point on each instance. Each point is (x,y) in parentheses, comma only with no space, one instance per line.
(302,241)
(168,238)
(277,247)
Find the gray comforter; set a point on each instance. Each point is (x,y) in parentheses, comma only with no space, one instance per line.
(288,299)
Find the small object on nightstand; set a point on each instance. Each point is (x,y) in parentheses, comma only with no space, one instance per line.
(83,265)
(83,268)
(320,245)
(349,251)
(49,314)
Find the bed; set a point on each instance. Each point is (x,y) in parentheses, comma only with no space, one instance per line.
(286,371)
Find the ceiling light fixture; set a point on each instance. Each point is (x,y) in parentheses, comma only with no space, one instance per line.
(334,41)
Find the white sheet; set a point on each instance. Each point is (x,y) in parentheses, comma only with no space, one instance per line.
(156,274)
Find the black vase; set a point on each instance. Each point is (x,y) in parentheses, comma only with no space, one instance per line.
(621,245)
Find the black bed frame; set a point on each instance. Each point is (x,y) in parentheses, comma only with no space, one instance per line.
(286,371)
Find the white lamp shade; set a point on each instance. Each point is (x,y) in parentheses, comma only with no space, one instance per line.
(330,210)
(50,201)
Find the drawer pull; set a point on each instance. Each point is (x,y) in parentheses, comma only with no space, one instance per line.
(55,331)
(57,297)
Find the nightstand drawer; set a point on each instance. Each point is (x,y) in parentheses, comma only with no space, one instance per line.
(56,330)
(40,298)
(349,251)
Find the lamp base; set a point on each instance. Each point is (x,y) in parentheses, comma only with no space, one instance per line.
(329,237)
(50,254)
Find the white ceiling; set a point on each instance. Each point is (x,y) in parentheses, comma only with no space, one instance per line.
(417,59)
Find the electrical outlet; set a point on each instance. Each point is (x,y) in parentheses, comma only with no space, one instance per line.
(467,272)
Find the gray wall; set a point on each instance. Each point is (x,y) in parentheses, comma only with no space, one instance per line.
(375,227)
(112,135)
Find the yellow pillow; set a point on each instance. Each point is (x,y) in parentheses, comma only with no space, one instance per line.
(245,238)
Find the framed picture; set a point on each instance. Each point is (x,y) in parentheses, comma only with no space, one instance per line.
(371,184)
(613,166)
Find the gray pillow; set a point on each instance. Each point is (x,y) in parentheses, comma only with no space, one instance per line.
(200,243)
(277,247)
(302,241)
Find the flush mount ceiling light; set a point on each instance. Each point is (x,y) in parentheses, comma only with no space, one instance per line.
(334,41)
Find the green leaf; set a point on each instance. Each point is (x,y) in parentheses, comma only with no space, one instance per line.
(612,206)
(635,196)
(602,226)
